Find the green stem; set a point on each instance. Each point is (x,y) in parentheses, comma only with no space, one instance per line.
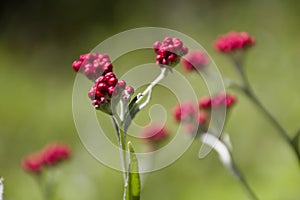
(122,144)
(250,94)
(45,186)
(243,181)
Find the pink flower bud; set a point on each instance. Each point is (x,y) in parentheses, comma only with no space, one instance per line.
(33,163)
(205,102)
(105,88)
(202,118)
(93,65)
(169,51)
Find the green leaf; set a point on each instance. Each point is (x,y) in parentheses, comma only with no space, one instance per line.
(133,185)
(133,102)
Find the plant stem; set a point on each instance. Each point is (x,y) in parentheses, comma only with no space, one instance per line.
(227,160)
(247,89)
(162,75)
(243,181)
(122,126)
(122,147)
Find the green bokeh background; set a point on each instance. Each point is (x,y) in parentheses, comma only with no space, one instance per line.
(40,39)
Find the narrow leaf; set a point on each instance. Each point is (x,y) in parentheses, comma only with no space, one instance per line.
(220,148)
(1,188)
(134,184)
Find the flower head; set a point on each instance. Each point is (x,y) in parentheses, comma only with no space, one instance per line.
(50,155)
(104,88)
(193,119)
(55,152)
(169,51)
(195,60)
(155,133)
(234,41)
(93,65)
(223,99)
(33,163)
(220,99)
(185,112)
(205,102)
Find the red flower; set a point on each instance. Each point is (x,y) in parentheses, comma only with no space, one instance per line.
(155,133)
(185,112)
(33,163)
(49,156)
(104,88)
(55,152)
(202,118)
(169,51)
(223,99)
(93,65)
(195,60)
(205,102)
(220,99)
(234,41)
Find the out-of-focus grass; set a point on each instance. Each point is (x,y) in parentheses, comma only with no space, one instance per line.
(36,92)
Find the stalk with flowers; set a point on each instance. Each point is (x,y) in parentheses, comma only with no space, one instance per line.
(40,163)
(196,118)
(111,96)
(235,45)
(115,98)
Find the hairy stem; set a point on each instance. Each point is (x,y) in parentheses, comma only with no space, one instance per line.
(122,147)
(243,181)
(247,89)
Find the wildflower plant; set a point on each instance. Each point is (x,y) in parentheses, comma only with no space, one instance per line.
(235,45)
(38,164)
(113,97)
(204,119)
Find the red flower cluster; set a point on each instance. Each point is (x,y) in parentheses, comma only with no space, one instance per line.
(93,65)
(185,112)
(50,155)
(98,67)
(234,41)
(189,114)
(220,99)
(155,133)
(192,118)
(104,88)
(169,51)
(195,60)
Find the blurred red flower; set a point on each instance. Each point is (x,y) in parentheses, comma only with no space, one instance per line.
(234,41)
(50,155)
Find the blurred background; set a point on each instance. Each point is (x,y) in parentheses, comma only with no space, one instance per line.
(39,41)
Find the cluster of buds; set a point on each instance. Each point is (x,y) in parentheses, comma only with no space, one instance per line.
(221,99)
(189,115)
(234,41)
(93,65)
(169,51)
(195,60)
(197,118)
(98,68)
(50,155)
(105,88)
(185,112)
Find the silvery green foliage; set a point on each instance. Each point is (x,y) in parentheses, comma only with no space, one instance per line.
(1,188)
(220,147)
